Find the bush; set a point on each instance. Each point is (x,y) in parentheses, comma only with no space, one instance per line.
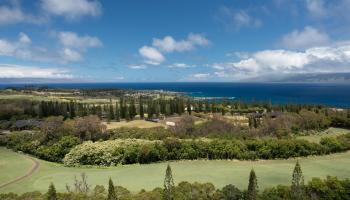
(128,151)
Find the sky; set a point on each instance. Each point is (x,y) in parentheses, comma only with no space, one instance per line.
(172,40)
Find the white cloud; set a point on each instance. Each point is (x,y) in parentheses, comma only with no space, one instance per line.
(119,78)
(323,59)
(306,38)
(316,8)
(72,10)
(151,55)
(18,71)
(23,38)
(73,40)
(15,48)
(236,19)
(337,11)
(201,76)
(169,44)
(12,14)
(69,55)
(154,54)
(72,48)
(137,66)
(180,65)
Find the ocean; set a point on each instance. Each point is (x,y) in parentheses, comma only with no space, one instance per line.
(336,95)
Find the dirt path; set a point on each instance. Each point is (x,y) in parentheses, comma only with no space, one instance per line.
(35,166)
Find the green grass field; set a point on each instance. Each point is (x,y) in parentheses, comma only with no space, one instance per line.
(14,163)
(133,124)
(149,176)
(330,132)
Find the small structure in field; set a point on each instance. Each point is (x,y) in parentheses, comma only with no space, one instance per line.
(153,119)
(168,123)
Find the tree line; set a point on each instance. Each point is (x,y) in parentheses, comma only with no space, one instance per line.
(129,107)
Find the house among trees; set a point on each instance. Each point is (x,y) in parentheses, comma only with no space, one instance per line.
(25,124)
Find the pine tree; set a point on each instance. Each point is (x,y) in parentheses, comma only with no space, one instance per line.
(189,107)
(297,182)
(51,193)
(251,122)
(117,112)
(111,112)
(150,110)
(112,195)
(253,186)
(99,111)
(142,112)
(132,109)
(168,185)
(127,113)
(71,110)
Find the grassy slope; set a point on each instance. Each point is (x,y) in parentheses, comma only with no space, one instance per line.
(136,177)
(133,124)
(12,166)
(331,132)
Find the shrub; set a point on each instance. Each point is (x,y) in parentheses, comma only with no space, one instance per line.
(128,151)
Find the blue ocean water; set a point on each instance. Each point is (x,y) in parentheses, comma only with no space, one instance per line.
(337,95)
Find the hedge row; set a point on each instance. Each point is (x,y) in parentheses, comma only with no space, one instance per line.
(128,151)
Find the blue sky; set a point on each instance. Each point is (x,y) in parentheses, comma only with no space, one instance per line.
(172,40)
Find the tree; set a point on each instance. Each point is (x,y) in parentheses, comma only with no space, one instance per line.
(71,110)
(122,108)
(297,182)
(231,192)
(189,107)
(51,193)
(132,109)
(50,128)
(142,113)
(117,112)
(168,185)
(252,192)
(112,195)
(89,128)
(111,113)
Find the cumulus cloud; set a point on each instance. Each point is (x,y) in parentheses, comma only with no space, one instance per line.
(69,55)
(137,66)
(155,54)
(72,48)
(236,19)
(151,55)
(12,14)
(322,59)
(180,65)
(306,38)
(23,38)
(316,8)
(73,40)
(200,76)
(72,10)
(19,71)
(18,48)
(169,44)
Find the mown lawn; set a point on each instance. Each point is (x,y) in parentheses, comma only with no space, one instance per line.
(12,165)
(149,176)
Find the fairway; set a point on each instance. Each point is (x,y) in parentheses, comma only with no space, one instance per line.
(149,176)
